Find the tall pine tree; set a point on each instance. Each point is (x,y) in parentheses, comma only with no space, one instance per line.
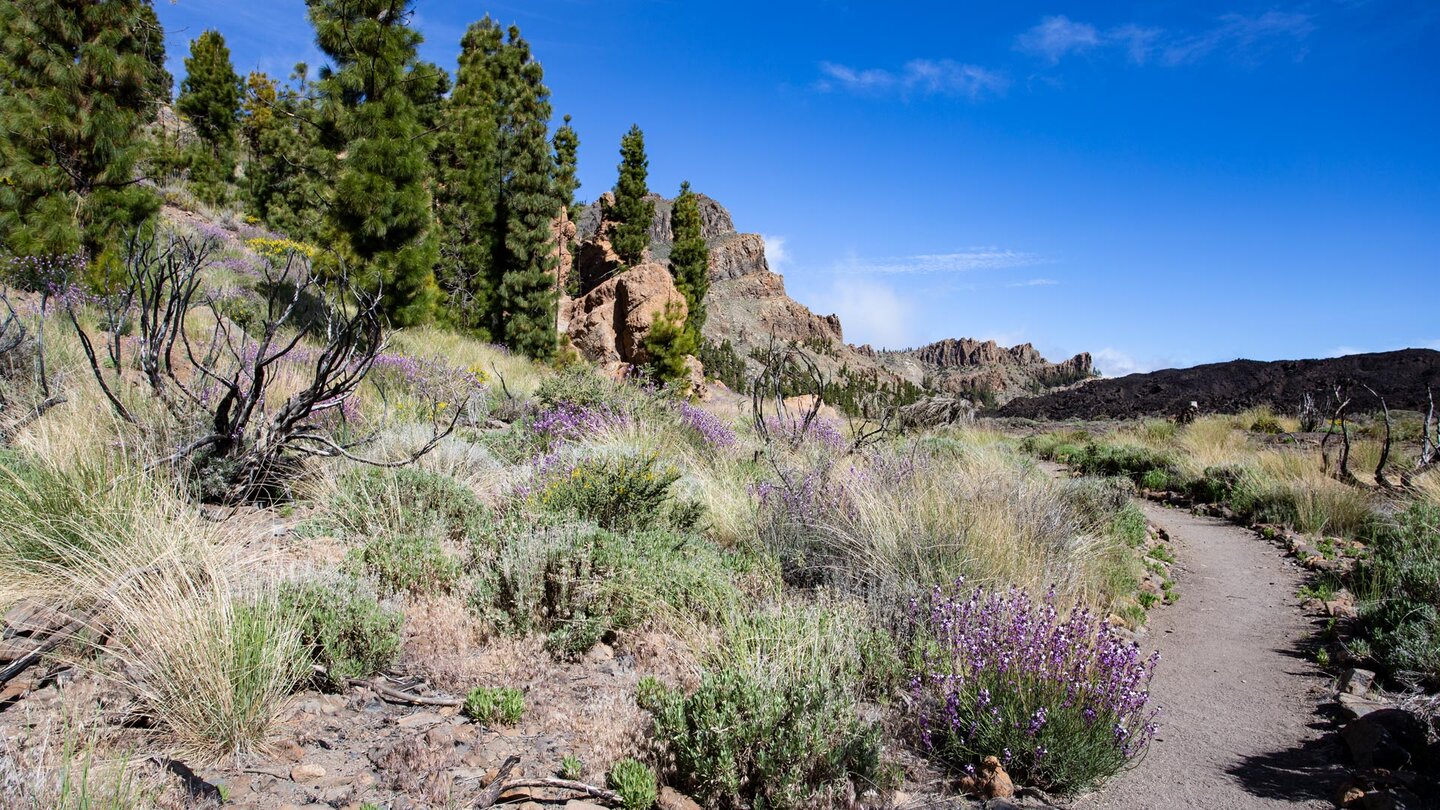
(528,292)
(467,195)
(76,82)
(210,99)
(287,167)
(632,213)
(690,259)
(567,147)
(380,202)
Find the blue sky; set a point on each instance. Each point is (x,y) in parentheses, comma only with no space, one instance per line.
(1160,183)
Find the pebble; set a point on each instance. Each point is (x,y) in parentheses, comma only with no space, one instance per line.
(307,772)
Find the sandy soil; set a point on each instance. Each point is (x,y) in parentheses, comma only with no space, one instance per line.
(1240,726)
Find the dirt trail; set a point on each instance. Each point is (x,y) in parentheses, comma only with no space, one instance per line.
(1240,726)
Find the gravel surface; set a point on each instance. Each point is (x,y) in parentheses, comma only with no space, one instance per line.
(1240,697)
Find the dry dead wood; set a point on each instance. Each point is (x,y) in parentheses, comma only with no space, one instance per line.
(501,785)
(399,696)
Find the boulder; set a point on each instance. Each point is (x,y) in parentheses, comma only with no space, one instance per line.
(1387,738)
(672,799)
(989,782)
(609,323)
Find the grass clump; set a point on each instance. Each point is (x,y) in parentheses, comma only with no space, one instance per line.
(345,628)
(635,782)
(503,705)
(210,668)
(367,501)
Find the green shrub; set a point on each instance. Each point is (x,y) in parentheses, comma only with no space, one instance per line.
(1400,582)
(504,705)
(1130,461)
(1267,422)
(571,768)
(635,783)
(1217,484)
(582,385)
(1129,526)
(1264,502)
(417,565)
(346,629)
(619,493)
(1157,480)
(1059,446)
(405,501)
(741,742)
(581,585)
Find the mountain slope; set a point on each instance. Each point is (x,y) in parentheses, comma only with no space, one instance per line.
(748,305)
(1400,376)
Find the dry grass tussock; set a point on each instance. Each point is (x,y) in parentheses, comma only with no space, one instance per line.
(207,657)
(905,520)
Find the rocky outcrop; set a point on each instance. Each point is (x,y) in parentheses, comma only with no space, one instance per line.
(609,324)
(748,306)
(735,255)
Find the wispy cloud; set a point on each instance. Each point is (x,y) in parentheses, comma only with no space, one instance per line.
(1240,36)
(981,258)
(1114,363)
(942,77)
(1034,282)
(775,254)
(873,312)
(1057,36)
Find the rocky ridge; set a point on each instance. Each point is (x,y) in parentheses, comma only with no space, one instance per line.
(748,306)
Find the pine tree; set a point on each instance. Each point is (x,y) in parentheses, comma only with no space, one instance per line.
(210,99)
(668,343)
(690,259)
(467,194)
(380,202)
(567,146)
(160,83)
(528,204)
(76,81)
(284,176)
(632,213)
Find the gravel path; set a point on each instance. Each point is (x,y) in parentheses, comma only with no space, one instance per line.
(1239,697)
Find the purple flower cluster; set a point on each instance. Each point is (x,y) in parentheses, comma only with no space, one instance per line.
(1062,701)
(568,421)
(810,499)
(240,266)
(426,378)
(52,273)
(716,433)
(794,431)
(213,233)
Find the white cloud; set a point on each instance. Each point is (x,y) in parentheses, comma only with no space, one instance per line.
(775,254)
(944,77)
(1034,282)
(1115,363)
(977,258)
(1241,36)
(1056,37)
(872,312)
